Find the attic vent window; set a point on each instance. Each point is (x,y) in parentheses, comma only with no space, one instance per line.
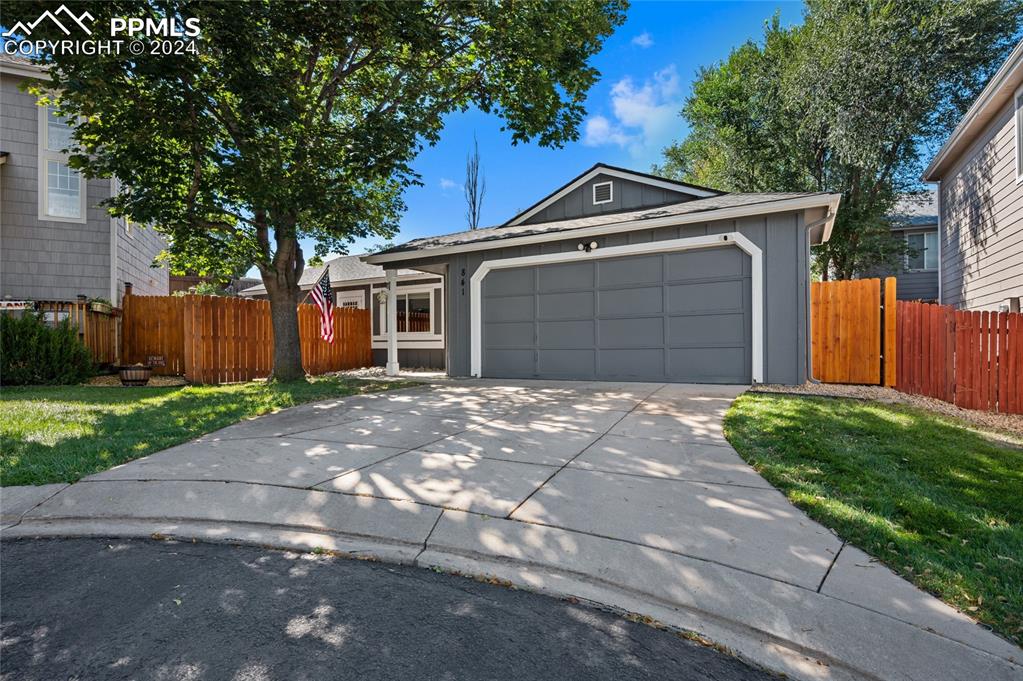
(603,192)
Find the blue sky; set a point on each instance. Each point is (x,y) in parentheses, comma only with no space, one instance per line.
(647,69)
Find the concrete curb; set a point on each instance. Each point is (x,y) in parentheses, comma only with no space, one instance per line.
(754,645)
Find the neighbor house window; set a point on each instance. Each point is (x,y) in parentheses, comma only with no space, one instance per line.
(924,247)
(61,188)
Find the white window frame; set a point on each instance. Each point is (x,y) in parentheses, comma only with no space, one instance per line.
(407,339)
(937,253)
(1017,115)
(667,246)
(46,155)
(611,193)
(359,297)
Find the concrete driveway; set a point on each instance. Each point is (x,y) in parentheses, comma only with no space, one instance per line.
(625,494)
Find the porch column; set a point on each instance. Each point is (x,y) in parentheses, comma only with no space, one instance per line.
(392,322)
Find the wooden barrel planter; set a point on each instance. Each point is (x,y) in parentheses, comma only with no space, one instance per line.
(136,375)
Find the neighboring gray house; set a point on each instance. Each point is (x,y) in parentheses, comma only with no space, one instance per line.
(624,276)
(979,172)
(915,221)
(56,242)
(420,307)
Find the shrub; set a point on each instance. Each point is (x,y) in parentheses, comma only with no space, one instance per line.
(33,353)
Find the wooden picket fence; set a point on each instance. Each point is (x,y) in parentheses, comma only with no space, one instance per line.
(972,359)
(851,333)
(214,340)
(97,329)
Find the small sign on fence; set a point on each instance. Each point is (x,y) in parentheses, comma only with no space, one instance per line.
(156,361)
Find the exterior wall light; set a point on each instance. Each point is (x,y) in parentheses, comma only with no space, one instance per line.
(587,247)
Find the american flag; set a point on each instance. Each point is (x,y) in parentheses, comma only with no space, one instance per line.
(324,299)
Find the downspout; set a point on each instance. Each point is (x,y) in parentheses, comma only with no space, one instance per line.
(809,307)
(114,235)
(941,246)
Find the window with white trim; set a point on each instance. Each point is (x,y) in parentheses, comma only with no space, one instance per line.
(419,313)
(61,187)
(603,192)
(924,247)
(1018,116)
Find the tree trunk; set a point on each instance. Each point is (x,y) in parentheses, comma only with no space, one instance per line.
(287,364)
(281,278)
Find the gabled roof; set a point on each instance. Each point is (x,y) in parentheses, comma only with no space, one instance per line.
(999,90)
(722,207)
(603,169)
(916,210)
(347,268)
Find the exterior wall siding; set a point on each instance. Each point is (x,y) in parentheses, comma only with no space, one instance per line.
(781,237)
(137,247)
(982,222)
(51,260)
(627,195)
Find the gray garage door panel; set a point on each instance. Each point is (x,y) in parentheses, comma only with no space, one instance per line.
(665,317)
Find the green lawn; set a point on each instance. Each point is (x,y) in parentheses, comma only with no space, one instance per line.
(62,433)
(936,501)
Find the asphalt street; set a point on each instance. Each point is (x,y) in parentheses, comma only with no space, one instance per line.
(145,609)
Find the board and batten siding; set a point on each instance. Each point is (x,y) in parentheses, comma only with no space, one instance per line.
(626,195)
(782,238)
(982,221)
(54,260)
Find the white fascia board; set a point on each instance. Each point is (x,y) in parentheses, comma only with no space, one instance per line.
(666,246)
(801,203)
(371,281)
(611,172)
(978,115)
(24,70)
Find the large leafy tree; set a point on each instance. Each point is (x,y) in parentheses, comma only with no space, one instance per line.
(301,119)
(850,101)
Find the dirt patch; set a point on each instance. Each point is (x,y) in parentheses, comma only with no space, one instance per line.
(380,373)
(1011,424)
(112,380)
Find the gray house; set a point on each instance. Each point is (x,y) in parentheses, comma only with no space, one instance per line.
(979,172)
(620,275)
(56,241)
(915,221)
(419,305)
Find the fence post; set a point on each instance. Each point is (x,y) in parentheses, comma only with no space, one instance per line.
(889,361)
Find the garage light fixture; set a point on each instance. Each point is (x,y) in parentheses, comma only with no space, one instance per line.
(587,247)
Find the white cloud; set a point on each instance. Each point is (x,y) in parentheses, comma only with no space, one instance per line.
(643,40)
(446,184)
(645,116)
(600,131)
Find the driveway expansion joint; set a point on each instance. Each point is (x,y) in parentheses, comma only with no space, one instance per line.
(580,453)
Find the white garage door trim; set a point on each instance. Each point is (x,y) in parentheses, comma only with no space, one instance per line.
(757,285)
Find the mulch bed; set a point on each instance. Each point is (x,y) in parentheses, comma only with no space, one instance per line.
(1005,423)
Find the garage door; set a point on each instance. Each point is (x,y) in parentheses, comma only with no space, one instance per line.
(682,316)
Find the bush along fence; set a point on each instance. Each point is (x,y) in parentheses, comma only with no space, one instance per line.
(972,359)
(215,340)
(97,325)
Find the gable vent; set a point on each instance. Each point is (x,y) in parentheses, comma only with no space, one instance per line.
(603,192)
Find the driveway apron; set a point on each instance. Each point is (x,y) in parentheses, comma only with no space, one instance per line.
(623,493)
